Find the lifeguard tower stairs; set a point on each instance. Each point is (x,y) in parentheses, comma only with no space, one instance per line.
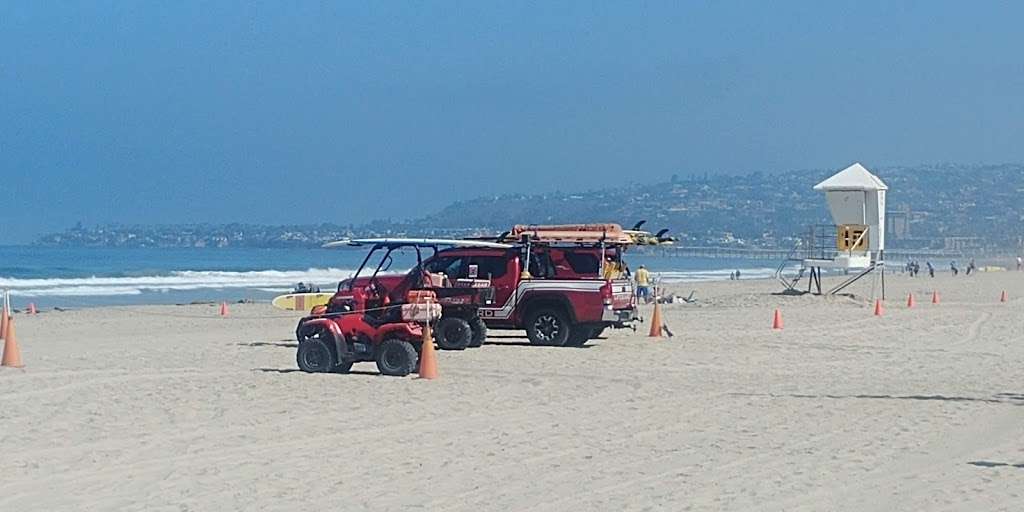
(828,246)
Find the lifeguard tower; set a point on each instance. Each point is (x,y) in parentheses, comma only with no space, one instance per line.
(856,242)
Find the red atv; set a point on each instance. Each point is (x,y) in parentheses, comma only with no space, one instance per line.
(379,318)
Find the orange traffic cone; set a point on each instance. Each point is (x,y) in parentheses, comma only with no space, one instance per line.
(655,320)
(1004,297)
(878,307)
(12,354)
(777,320)
(32,308)
(910,300)
(428,359)
(935,297)
(223,309)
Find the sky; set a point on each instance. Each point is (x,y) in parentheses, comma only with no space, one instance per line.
(306,112)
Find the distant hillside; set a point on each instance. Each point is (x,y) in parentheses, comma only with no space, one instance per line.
(937,206)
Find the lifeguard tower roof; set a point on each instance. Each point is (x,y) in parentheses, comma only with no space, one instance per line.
(854,177)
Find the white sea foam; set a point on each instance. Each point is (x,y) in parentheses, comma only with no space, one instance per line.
(276,280)
(690,276)
(272,281)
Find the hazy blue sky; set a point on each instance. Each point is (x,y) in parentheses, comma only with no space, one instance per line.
(223,111)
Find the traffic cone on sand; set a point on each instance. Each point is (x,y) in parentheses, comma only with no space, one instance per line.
(1004,297)
(910,300)
(12,354)
(223,309)
(935,297)
(777,320)
(878,307)
(428,359)
(656,320)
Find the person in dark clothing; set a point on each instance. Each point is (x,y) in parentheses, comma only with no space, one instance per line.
(931,269)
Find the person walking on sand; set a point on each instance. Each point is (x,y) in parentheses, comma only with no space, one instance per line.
(971,266)
(643,284)
(1020,263)
(931,268)
(953,269)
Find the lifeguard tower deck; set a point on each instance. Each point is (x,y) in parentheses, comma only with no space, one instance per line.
(856,242)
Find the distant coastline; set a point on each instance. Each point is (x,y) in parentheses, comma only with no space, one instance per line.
(943,209)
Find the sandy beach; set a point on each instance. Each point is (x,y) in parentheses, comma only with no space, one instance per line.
(176,408)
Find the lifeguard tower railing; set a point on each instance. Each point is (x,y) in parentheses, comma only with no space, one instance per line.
(826,243)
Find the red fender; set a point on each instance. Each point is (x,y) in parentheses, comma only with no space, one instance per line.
(340,346)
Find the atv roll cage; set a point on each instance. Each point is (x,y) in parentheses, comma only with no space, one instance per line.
(390,245)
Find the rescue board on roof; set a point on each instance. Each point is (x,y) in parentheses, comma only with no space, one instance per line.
(572,233)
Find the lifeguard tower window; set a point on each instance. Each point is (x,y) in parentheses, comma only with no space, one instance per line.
(852,237)
(582,263)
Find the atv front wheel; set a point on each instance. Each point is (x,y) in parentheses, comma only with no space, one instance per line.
(479,329)
(314,356)
(396,358)
(452,333)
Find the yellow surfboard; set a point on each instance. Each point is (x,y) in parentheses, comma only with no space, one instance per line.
(301,301)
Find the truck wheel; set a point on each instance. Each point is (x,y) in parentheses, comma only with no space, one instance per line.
(547,326)
(452,333)
(314,356)
(579,336)
(479,329)
(396,358)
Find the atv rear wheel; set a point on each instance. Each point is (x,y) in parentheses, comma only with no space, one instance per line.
(479,328)
(452,333)
(314,356)
(396,358)
(548,326)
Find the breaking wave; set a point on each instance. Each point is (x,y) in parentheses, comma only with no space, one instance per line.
(277,280)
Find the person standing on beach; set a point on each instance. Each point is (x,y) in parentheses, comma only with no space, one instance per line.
(931,268)
(1020,263)
(971,266)
(643,284)
(953,269)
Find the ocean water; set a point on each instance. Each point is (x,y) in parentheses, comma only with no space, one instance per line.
(82,277)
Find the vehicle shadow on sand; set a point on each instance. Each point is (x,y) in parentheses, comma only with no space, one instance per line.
(490,343)
(296,370)
(282,343)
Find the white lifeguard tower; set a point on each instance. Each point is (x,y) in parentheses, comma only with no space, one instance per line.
(856,199)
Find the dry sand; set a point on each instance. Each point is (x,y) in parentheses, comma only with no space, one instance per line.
(174,408)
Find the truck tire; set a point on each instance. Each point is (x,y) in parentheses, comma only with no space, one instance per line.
(548,326)
(396,358)
(479,328)
(579,335)
(452,333)
(314,356)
